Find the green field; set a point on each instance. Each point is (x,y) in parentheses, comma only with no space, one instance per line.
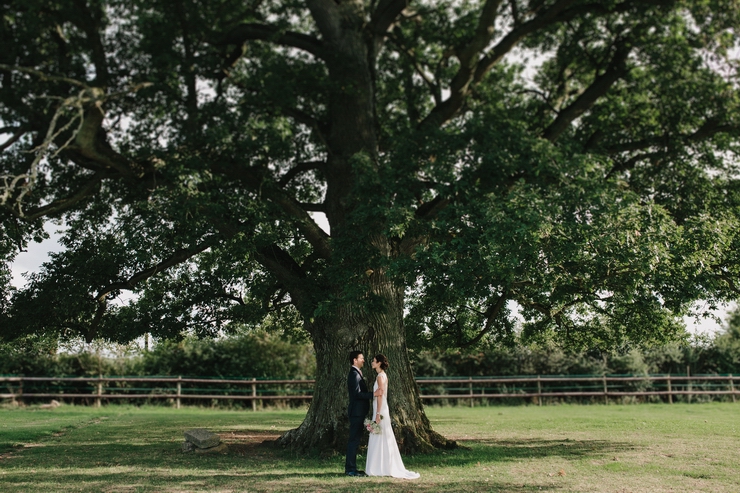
(637,448)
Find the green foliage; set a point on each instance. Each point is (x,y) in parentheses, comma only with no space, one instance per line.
(262,355)
(253,355)
(258,355)
(701,355)
(727,344)
(590,179)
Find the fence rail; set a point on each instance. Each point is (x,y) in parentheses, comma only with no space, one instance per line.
(256,391)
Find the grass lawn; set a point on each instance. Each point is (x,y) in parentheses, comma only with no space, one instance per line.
(568,448)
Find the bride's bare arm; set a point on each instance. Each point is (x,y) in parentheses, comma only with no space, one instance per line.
(381,393)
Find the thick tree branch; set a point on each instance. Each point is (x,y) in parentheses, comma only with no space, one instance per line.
(257,180)
(730,282)
(102,296)
(91,26)
(515,13)
(327,17)
(383,18)
(559,12)
(298,169)
(553,14)
(599,87)
(42,76)
(303,221)
(468,57)
(635,145)
(289,274)
(308,120)
(191,94)
(178,257)
(709,129)
(281,263)
(253,32)
(469,54)
(19,132)
(399,40)
(429,209)
(87,190)
(237,299)
(90,141)
(491,314)
(310,207)
(631,162)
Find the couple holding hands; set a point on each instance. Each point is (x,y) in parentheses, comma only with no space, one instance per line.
(383,457)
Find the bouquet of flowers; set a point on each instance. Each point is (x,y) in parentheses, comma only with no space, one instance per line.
(372,426)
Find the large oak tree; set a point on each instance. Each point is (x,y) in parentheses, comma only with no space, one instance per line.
(572,158)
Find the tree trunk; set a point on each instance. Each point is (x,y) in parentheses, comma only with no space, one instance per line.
(353,325)
(326,427)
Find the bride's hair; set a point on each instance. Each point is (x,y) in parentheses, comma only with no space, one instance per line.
(383,361)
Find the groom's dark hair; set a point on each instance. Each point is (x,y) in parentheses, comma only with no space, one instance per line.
(353,356)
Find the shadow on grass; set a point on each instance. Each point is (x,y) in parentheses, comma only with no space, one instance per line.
(168,453)
(161,466)
(514,450)
(148,480)
(105,462)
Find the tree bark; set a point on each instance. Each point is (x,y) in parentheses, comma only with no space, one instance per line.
(350,328)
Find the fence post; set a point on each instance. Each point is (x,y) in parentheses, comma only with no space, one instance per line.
(688,383)
(254,394)
(179,391)
(18,398)
(470,386)
(606,390)
(732,388)
(100,390)
(539,391)
(670,391)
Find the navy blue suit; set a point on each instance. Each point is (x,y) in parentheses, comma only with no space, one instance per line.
(357,409)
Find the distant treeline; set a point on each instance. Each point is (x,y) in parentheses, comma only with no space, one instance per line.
(262,355)
(256,355)
(716,355)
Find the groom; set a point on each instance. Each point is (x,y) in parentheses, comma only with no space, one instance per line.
(359,405)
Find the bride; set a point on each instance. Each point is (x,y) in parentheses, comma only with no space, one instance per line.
(383,457)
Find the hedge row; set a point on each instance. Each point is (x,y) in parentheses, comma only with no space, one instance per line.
(262,355)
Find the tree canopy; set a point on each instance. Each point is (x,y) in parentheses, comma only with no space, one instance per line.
(576,158)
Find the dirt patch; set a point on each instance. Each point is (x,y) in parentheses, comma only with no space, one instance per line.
(252,444)
(251,437)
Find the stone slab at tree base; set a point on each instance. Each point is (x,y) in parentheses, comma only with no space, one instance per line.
(219,449)
(52,405)
(202,438)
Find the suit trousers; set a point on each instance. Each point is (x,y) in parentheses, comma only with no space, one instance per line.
(356,427)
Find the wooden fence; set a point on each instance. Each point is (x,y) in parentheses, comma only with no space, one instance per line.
(536,388)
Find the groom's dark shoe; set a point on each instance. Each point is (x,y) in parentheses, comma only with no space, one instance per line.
(356,474)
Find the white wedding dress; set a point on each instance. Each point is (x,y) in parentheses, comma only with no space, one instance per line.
(383,457)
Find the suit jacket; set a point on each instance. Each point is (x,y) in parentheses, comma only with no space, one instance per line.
(359,397)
